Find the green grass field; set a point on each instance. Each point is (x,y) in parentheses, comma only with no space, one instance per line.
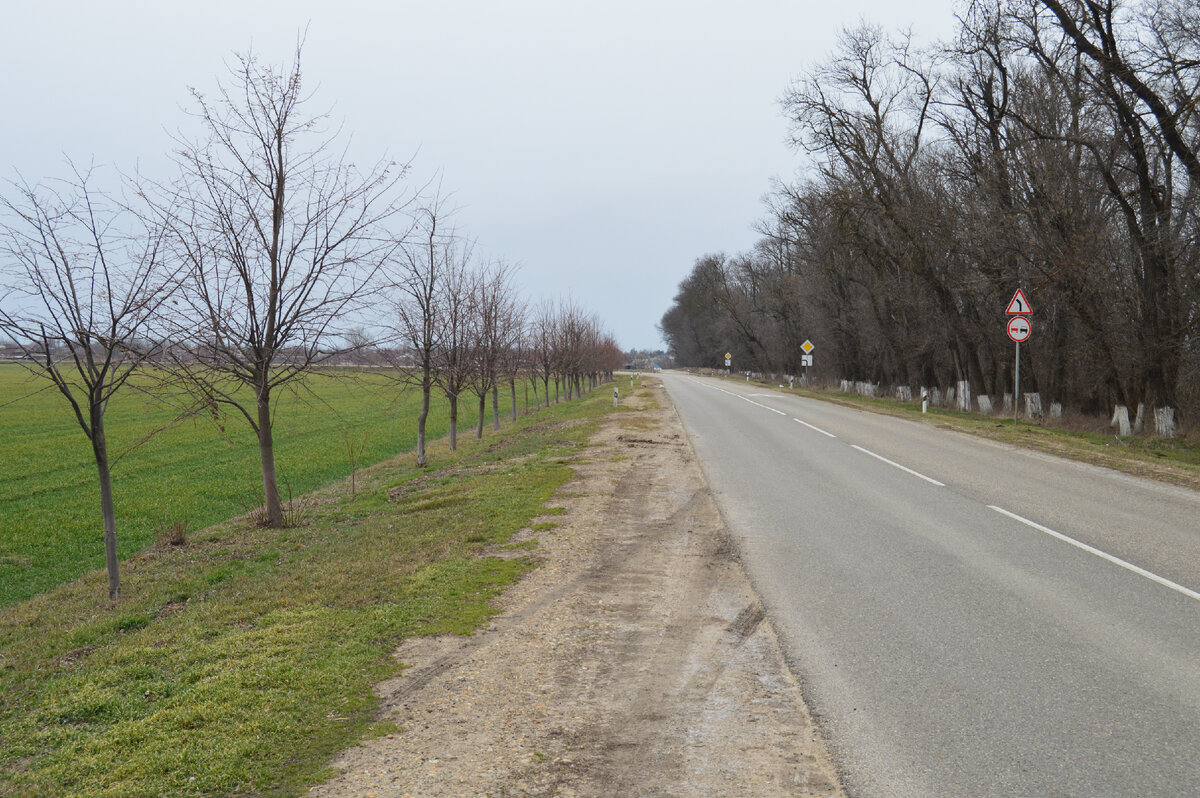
(193,473)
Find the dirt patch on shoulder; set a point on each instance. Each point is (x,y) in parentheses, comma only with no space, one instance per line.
(637,661)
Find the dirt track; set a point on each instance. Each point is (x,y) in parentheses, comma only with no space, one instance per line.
(635,662)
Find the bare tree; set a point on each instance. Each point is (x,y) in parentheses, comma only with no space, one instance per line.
(569,345)
(493,319)
(453,363)
(281,235)
(419,282)
(1160,48)
(541,348)
(513,363)
(361,348)
(483,325)
(82,280)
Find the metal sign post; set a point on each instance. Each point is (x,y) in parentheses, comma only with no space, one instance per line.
(806,359)
(1018,329)
(1017,387)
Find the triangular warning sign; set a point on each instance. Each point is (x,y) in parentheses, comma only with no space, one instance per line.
(1018,305)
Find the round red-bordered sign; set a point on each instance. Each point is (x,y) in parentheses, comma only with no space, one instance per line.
(1018,329)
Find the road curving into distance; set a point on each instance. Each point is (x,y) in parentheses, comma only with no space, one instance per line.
(968,618)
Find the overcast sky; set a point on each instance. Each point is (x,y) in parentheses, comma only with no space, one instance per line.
(602,145)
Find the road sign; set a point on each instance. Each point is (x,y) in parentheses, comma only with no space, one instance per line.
(728,356)
(807,346)
(806,360)
(1018,305)
(728,362)
(1019,329)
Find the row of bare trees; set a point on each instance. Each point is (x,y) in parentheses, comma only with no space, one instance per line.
(262,259)
(467,331)
(1054,146)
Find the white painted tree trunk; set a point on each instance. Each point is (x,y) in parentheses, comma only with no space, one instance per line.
(1120,420)
(1164,422)
(1033,405)
(985,404)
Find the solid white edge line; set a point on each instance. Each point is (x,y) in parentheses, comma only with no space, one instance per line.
(1101,554)
(897,465)
(810,426)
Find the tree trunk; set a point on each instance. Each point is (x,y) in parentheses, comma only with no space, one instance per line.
(512,386)
(424,415)
(496,406)
(266,453)
(1058,368)
(100,450)
(453,421)
(482,413)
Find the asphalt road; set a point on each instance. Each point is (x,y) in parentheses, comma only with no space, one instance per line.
(969,619)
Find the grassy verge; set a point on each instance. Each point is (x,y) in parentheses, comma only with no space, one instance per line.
(1174,461)
(240,662)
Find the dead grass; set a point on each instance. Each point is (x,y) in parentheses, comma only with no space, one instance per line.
(171,534)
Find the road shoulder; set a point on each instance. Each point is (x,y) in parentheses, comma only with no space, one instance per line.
(636,660)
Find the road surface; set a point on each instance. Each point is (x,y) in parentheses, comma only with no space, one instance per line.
(969,619)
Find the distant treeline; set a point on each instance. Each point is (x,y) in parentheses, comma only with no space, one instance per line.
(1053,146)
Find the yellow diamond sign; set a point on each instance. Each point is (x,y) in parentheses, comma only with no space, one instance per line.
(807,346)
(728,356)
